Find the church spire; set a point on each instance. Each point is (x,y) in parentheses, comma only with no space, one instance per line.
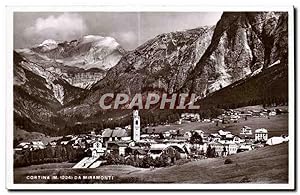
(136,129)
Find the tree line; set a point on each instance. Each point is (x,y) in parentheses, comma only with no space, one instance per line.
(48,155)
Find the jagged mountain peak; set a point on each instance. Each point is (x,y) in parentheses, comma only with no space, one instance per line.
(90,51)
(74,60)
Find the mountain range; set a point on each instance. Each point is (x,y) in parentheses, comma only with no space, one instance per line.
(241,60)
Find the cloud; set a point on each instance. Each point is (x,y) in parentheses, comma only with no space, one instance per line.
(128,38)
(62,27)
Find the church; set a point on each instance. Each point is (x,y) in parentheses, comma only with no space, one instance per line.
(136,126)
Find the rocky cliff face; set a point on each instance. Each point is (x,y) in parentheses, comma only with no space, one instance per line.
(242,44)
(163,62)
(34,101)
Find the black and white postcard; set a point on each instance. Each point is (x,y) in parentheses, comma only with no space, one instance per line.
(188,98)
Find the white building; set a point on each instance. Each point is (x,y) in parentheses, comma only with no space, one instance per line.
(97,149)
(167,134)
(22,146)
(272,113)
(247,131)
(261,134)
(190,116)
(37,145)
(277,140)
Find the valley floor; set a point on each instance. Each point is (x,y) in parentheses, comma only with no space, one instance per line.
(264,165)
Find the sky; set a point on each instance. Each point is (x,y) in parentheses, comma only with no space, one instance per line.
(130,29)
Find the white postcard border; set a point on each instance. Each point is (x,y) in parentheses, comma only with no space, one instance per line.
(134,8)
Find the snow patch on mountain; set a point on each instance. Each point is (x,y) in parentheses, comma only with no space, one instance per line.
(275,63)
(104,53)
(261,68)
(58,92)
(99,41)
(48,44)
(85,84)
(24,51)
(257,71)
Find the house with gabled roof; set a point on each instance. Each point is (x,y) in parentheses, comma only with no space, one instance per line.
(113,134)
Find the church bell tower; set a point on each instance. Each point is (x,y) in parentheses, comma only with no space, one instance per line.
(136,128)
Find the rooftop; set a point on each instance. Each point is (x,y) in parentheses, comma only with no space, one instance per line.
(262,130)
(114,133)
